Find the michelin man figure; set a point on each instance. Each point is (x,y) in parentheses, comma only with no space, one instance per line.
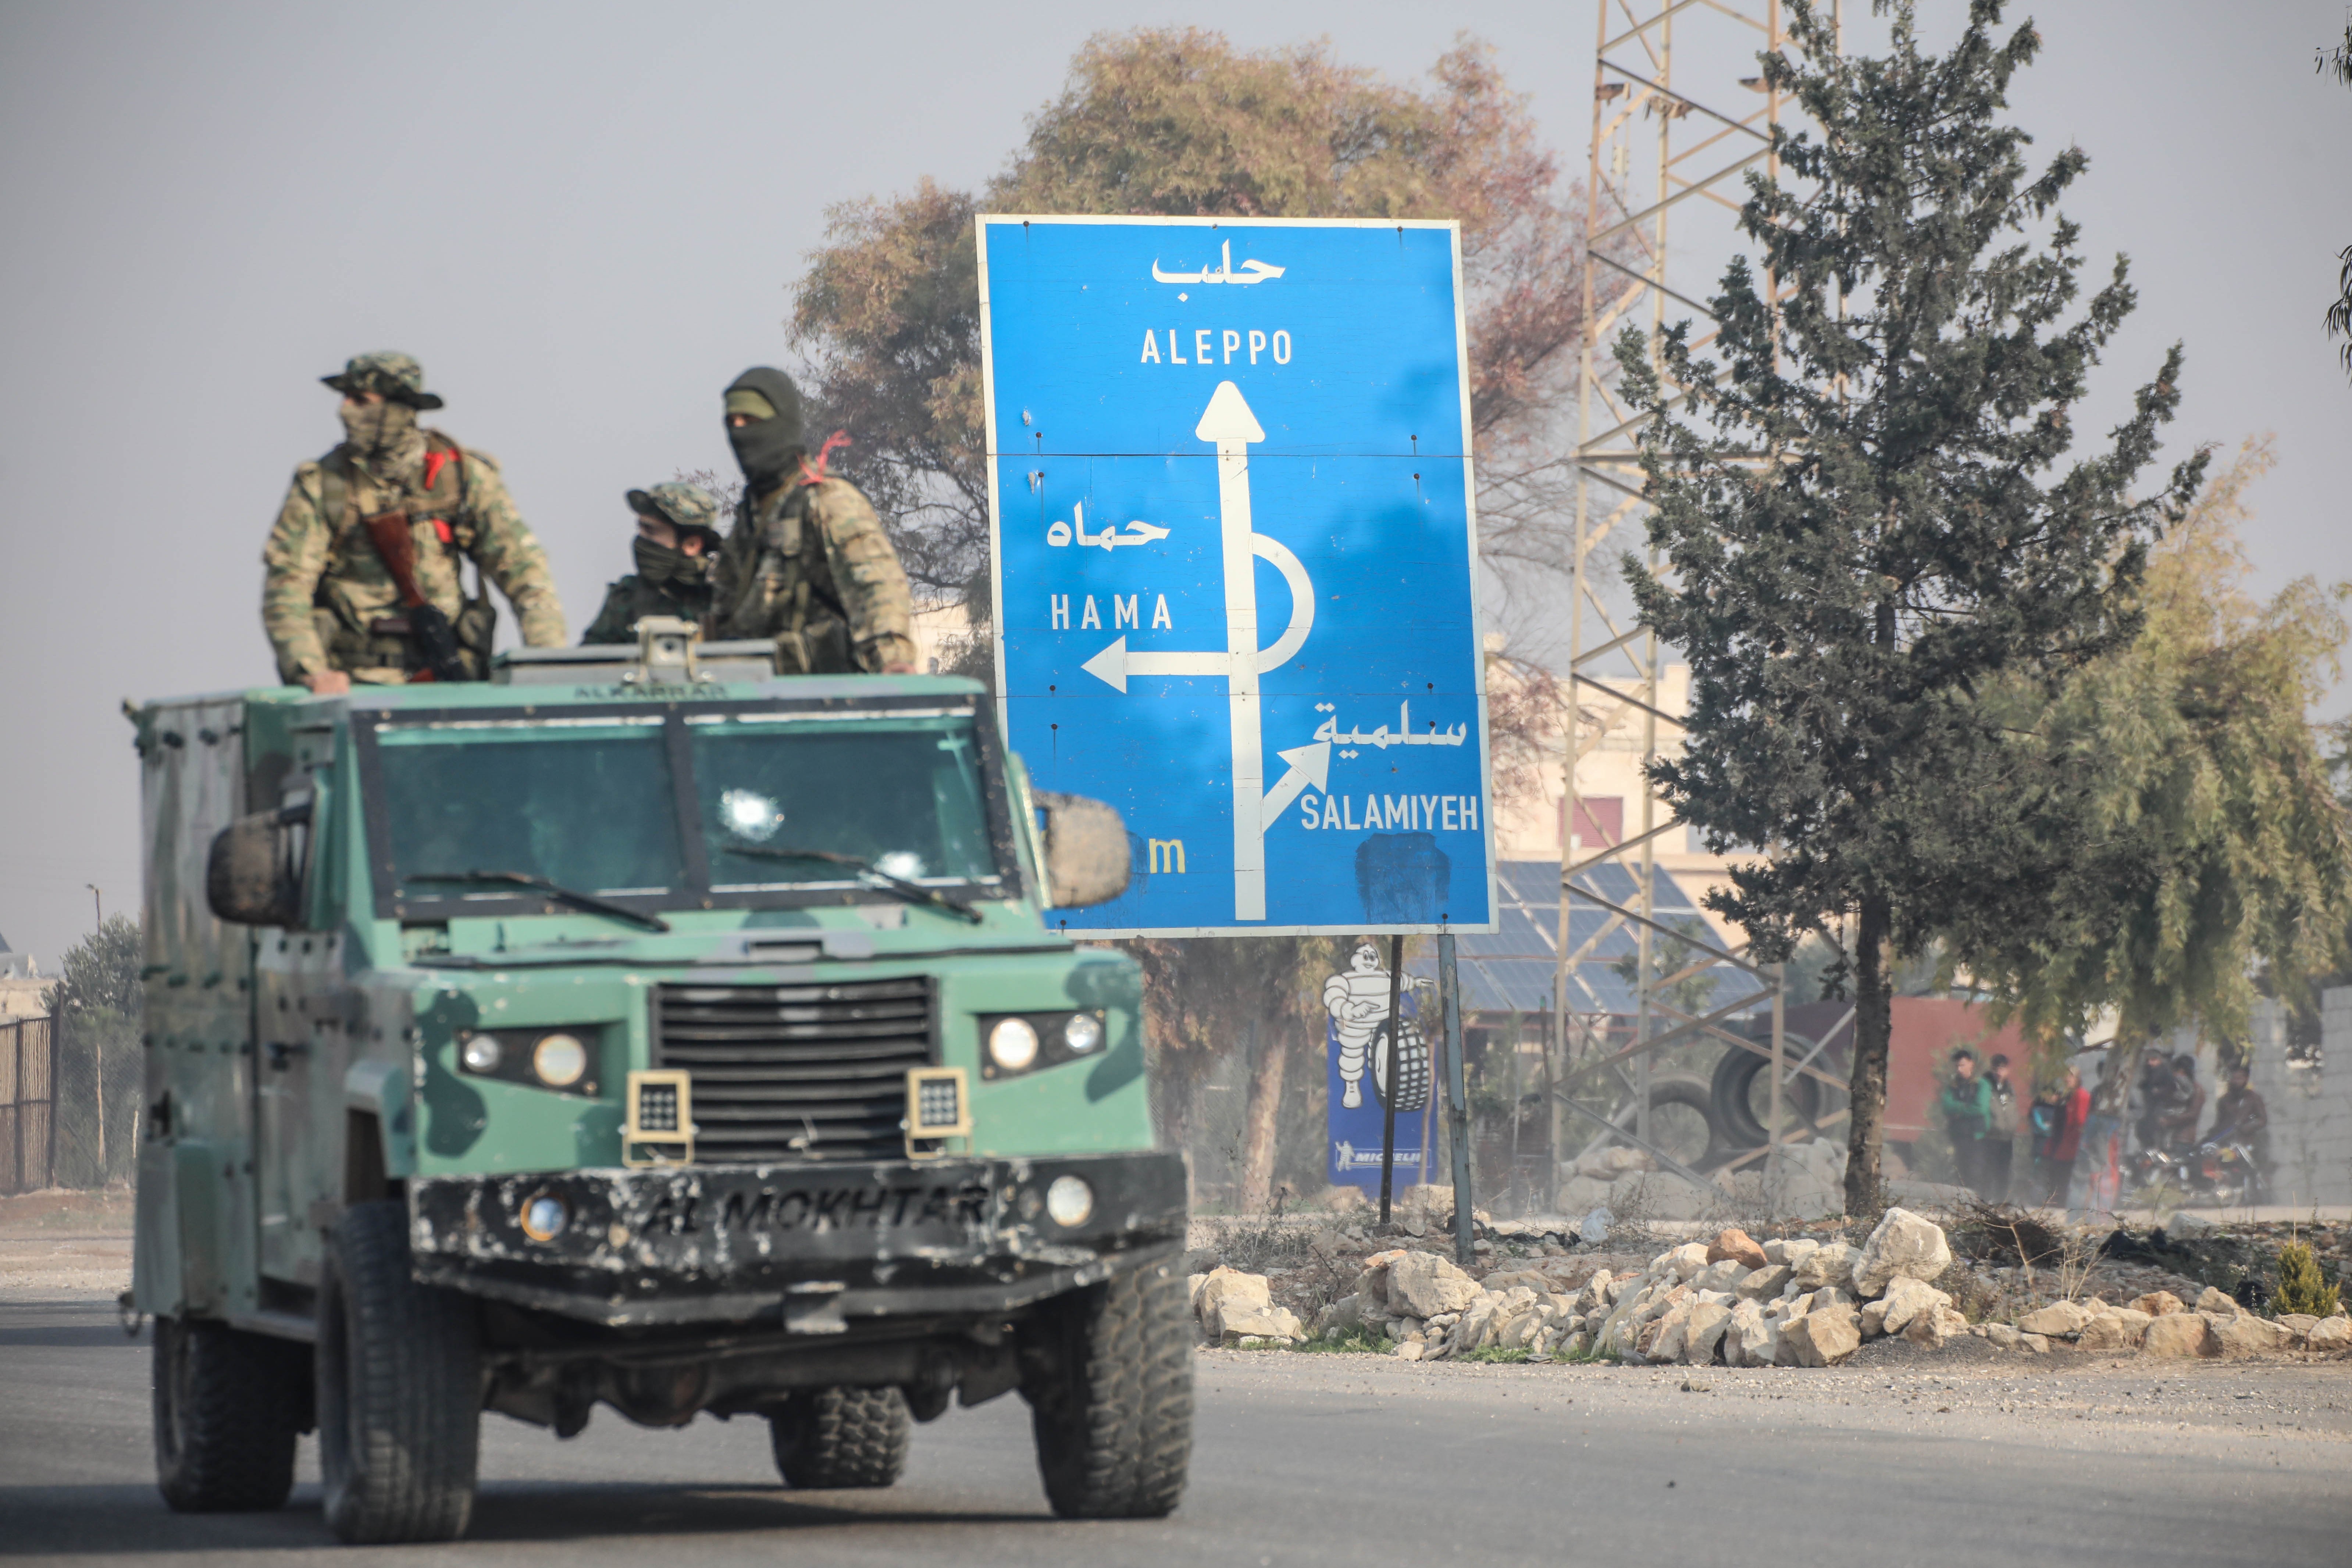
(1357,1002)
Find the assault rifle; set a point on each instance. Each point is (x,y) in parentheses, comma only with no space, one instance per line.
(420,618)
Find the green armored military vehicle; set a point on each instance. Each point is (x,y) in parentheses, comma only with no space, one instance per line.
(638,1028)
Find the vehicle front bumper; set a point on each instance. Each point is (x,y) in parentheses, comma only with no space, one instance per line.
(814,1246)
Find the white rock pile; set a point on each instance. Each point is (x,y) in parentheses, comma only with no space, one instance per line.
(1782,1303)
(2160,1324)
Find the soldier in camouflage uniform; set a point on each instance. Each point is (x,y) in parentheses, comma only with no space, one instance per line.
(808,563)
(329,604)
(677,549)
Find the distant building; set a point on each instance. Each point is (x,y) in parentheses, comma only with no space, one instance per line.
(24,989)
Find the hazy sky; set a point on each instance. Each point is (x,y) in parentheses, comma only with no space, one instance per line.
(583,218)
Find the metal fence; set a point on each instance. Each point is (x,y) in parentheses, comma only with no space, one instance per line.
(28,1126)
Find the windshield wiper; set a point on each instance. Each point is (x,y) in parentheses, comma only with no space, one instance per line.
(588,901)
(898,885)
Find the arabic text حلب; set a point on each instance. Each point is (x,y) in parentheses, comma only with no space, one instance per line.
(1251,271)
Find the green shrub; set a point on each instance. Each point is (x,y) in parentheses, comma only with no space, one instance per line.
(1496,1353)
(1354,1342)
(2300,1289)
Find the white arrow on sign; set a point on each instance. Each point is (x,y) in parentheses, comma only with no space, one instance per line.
(1228,423)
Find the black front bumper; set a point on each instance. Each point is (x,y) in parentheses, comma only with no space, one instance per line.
(813,1246)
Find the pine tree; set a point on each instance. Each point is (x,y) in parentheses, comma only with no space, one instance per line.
(1862,516)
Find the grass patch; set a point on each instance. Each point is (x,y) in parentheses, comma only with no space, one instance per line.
(1495,1353)
(1355,1343)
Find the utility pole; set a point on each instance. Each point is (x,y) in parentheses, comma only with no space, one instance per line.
(1655,146)
(97,904)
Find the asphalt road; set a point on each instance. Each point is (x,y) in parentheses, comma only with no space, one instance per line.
(1330,1459)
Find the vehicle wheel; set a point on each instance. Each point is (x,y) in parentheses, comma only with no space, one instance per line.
(1108,1372)
(228,1406)
(400,1389)
(831,1438)
(1682,1122)
(1740,1097)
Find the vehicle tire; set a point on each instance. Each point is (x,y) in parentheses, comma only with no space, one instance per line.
(228,1406)
(833,1439)
(1688,1094)
(1732,1096)
(399,1388)
(1108,1372)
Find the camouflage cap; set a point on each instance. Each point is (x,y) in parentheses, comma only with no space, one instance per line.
(683,506)
(397,375)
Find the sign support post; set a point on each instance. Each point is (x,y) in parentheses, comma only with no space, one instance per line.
(1457,1096)
(1389,1075)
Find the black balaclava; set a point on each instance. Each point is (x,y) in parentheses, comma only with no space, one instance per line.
(770,450)
(661,563)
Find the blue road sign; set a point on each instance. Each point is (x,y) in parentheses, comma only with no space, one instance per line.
(1235,562)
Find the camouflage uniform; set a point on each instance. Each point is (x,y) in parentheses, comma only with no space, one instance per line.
(327,601)
(809,565)
(668,582)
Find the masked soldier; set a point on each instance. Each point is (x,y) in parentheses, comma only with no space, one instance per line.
(808,563)
(677,549)
(362,577)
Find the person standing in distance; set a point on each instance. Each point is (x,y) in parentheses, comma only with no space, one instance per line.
(807,564)
(336,610)
(677,550)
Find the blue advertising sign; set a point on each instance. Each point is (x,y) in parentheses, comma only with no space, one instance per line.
(1358,1064)
(1234,555)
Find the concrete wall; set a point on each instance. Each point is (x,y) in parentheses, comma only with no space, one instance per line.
(2310,1105)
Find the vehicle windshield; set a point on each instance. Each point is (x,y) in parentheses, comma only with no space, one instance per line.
(591,804)
(904,796)
(587,806)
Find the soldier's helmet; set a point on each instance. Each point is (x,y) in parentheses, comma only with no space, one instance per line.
(397,375)
(690,509)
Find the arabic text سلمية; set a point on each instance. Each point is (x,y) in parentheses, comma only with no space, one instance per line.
(1404,735)
(1059,534)
(1252,271)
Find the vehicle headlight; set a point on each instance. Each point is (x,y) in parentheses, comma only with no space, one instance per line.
(1069,1200)
(480,1052)
(1083,1033)
(1013,1044)
(545,1214)
(560,1060)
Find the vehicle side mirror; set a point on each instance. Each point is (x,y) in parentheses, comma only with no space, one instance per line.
(1088,860)
(254,874)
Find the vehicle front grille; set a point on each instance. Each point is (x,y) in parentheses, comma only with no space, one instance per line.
(796,1072)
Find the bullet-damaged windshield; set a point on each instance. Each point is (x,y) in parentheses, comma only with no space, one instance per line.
(677,810)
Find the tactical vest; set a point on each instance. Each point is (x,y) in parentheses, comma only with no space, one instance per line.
(780,597)
(442,502)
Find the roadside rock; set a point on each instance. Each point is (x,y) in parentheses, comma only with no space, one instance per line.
(2160,1304)
(2247,1335)
(1762,1284)
(1906,1299)
(1688,1261)
(2179,1336)
(2057,1319)
(1704,1333)
(2330,1334)
(1340,1319)
(1227,1294)
(2003,1336)
(2118,1329)
(1905,1246)
(1828,1263)
(2221,1301)
(1423,1285)
(1270,1323)
(1934,1327)
(1826,1336)
(2038,1343)
(1735,1245)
